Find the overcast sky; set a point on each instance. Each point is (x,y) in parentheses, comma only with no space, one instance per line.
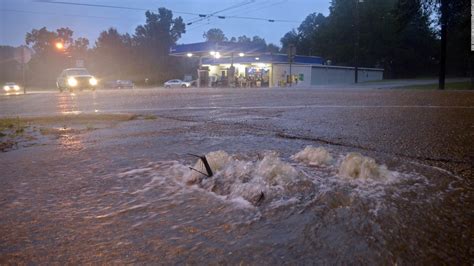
(20,16)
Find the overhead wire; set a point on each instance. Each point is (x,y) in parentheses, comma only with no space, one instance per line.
(58,14)
(202,17)
(106,6)
(206,16)
(257,6)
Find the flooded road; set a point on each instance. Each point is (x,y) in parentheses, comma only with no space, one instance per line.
(300,176)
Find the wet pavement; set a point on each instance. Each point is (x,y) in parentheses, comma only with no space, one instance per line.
(125,193)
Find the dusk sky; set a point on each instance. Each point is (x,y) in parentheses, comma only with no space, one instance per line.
(20,16)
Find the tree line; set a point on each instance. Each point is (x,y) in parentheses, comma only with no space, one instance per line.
(402,36)
(139,57)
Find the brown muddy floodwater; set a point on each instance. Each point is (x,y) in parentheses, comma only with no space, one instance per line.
(317,206)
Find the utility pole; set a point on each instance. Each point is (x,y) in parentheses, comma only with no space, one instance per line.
(23,56)
(357,40)
(444,34)
(23,69)
(291,56)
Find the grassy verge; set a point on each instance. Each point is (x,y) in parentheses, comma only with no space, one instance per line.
(13,125)
(465,85)
(79,119)
(18,131)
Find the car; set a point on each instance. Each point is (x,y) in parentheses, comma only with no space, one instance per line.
(11,87)
(119,84)
(76,78)
(175,83)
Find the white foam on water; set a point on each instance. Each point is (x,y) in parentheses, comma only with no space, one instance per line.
(243,178)
(135,172)
(265,180)
(313,156)
(356,166)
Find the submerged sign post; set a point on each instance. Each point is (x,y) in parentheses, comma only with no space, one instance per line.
(23,56)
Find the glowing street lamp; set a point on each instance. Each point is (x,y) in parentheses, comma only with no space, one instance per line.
(241,54)
(59,45)
(189,54)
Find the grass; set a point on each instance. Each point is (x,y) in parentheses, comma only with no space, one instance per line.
(14,130)
(149,117)
(79,119)
(465,85)
(16,125)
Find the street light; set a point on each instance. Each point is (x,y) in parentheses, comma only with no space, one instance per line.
(59,46)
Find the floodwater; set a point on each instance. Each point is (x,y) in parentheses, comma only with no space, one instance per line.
(280,193)
(317,206)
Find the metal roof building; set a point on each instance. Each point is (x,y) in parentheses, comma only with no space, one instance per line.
(249,65)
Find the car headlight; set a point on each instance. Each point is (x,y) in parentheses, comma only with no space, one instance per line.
(93,81)
(6,88)
(72,82)
(16,87)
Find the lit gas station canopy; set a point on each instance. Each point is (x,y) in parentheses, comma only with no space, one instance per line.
(217,49)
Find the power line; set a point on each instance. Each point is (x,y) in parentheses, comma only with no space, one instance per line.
(256,7)
(202,17)
(104,6)
(57,14)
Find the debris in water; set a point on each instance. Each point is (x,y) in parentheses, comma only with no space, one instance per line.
(260,198)
(206,165)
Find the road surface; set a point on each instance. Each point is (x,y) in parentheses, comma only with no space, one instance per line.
(116,194)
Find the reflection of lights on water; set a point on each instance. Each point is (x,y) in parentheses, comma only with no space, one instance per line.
(72,141)
(67,103)
(13,93)
(96,111)
(71,112)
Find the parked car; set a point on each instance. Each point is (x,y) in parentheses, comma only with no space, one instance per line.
(76,78)
(119,84)
(175,83)
(11,87)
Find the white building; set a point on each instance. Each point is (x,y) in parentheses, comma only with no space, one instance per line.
(245,65)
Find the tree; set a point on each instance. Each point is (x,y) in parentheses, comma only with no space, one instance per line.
(48,61)
(112,54)
(272,48)
(309,32)
(9,67)
(244,39)
(80,47)
(454,31)
(403,50)
(42,40)
(214,35)
(153,40)
(291,37)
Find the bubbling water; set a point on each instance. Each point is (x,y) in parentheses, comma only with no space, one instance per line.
(313,156)
(241,177)
(356,166)
(267,178)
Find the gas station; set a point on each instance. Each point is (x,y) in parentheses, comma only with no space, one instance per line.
(230,64)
